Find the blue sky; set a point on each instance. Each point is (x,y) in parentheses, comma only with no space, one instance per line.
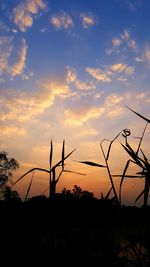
(67,70)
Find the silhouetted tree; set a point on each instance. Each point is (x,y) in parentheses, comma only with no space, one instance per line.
(8,194)
(7,166)
(77,193)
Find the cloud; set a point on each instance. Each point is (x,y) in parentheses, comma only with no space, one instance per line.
(18,67)
(80,115)
(132,44)
(24,12)
(89,132)
(119,67)
(122,68)
(5,53)
(113,99)
(87,20)
(71,77)
(147,55)
(109,51)
(12,130)
(129,70)
(21,106)
(107,74)
(116,42)
(126,35)
(139,59)
(84,85)
(123,38)
(110,106)
(99,74)
(61,20)
(122,79)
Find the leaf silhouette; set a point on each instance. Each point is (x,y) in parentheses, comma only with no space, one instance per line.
(139,115)
(92,164)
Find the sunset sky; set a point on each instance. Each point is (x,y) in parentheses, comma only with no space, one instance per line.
(67,70)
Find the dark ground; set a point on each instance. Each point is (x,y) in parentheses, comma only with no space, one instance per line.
(71,232)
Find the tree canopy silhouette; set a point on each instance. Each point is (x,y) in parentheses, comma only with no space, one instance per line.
(7,166)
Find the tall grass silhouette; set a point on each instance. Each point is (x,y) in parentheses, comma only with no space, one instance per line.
(53,177)
(137,158)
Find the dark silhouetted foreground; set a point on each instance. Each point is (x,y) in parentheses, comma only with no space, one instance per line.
(73,230)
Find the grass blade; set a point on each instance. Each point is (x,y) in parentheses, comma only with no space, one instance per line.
(75,172)
(139,115)
(34,169)
(51,155)
(123,176)
(128,176)
(50,164)
(92,164)
(63,154)
(141,138)
(133,155)
(109,148)
(108,194)
(29,187)
(60,162)
(139,196)
(146,190)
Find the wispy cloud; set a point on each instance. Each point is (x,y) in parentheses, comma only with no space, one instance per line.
(116,42)
(71,78)
(80,115)
(122,39)
(71,75)
(12,130)
(120,68)
(62,20)
(99,74)
(5,53)
(107,73)
(125,35)
(88,20)
(132,44)
(18,67)
(139,59)
(25,11)
(22,106)
(85,85)
(111,106)
(147,55)
(129,70)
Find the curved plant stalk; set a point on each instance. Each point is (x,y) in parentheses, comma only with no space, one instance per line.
(106,158)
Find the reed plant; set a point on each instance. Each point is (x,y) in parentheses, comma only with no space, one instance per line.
(53,176)
(137,158)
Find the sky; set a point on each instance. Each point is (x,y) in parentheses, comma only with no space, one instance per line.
(68,69)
